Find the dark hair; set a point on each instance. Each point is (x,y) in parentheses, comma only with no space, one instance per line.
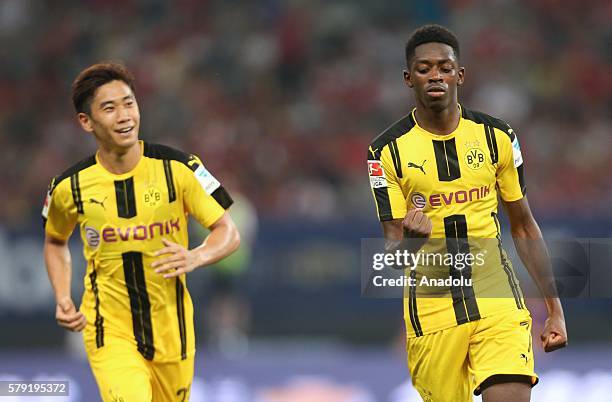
(431,33)
(89,80)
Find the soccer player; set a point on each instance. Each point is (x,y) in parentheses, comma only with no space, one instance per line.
(131,200)
(437,174)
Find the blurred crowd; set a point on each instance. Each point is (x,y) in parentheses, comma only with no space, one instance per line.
(281,98)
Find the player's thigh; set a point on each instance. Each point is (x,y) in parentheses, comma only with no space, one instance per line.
(507,392)
(438,365)
(501,351)
(121,372)
(172,381)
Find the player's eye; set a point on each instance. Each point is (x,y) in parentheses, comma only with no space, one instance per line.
(108,109)
(129,103)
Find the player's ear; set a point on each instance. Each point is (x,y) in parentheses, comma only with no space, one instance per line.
(460,76)
(85,122)
(407,78)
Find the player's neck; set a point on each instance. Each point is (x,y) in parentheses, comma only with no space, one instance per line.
(440,122)
(120,162)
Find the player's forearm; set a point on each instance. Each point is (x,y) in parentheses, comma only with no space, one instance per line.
(59,267)
(533,253)
(394,234)
(221,242)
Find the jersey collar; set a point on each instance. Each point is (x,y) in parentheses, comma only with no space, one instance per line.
(437,136)
(131,172)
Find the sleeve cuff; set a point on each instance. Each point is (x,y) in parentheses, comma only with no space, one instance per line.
(55,235)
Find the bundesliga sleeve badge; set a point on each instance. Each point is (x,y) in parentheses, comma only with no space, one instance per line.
(516,152)
(45,210)
(377,174)
(207,180)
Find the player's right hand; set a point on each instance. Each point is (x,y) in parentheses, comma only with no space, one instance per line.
(417,224)
(68,317)
(554,335)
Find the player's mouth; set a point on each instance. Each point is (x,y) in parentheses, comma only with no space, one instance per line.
(125,131)
(436,91)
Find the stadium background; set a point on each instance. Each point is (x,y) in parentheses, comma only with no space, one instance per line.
(280,99)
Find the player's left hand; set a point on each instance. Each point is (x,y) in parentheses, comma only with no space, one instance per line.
(180,261)
(554,335)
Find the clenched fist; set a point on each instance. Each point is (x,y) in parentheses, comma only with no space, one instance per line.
(416,224)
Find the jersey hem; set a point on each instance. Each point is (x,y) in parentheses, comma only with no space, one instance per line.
(212,221)
(56,235)
(92,349)
(512,199)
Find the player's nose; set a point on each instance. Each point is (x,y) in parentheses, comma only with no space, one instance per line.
(124,115)
(434,75)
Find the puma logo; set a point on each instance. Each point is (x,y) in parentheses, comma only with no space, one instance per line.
(115,398)
(373,152)
(414,165)
(94,201)
(182,393)
(524,356)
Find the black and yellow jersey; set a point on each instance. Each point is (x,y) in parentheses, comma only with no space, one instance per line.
(455,179)
(122,220)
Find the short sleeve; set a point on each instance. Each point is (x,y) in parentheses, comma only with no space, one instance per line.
(59,211)
(510,174)
(203,195)
(386,188)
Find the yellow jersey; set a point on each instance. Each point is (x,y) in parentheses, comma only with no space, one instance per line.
(122,220)
(455,180)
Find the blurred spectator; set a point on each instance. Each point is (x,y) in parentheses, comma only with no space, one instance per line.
(284,96)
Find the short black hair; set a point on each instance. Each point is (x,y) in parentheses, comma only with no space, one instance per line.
(431,33)
(89,80)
